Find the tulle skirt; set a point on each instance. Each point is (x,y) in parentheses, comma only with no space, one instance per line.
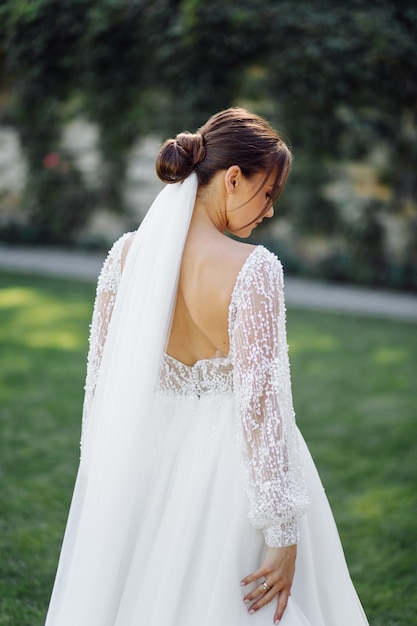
(194,543)
(191,543)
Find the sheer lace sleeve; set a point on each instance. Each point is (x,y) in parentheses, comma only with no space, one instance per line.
(273,470)
(107,286)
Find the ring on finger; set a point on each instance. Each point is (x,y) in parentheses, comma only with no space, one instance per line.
(265,587)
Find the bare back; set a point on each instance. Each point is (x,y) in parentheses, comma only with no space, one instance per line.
(208,274)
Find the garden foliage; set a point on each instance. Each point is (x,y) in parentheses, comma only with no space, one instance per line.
(340,81)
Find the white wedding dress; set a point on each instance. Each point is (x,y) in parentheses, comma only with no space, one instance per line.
(224,471)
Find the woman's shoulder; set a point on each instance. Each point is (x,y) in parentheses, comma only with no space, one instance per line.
(112,267)
(238,256)
(239,261)
(224,264)
(260,266)
(120,246)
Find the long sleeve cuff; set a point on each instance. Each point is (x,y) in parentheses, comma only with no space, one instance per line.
(282,535)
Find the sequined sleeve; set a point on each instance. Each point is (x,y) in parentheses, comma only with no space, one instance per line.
(107,286)
(272,465)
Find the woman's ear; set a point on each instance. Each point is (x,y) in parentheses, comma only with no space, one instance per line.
(232,178)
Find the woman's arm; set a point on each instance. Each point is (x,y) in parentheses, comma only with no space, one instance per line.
(272,465)
(273,469)
(107,287)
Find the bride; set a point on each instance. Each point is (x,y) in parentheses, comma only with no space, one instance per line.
(196,500)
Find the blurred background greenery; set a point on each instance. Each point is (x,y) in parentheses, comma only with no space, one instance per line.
(338,79)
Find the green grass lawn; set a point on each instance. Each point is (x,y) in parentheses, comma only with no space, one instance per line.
(354,384)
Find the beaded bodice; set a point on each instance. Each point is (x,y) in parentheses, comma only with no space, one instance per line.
(206,377)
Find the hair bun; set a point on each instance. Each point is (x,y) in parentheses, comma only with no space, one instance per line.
(178,157)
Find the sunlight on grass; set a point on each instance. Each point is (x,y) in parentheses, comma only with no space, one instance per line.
(16,296)
(40,321)
(66,341)
(389,356)
(320,342)
(379,501)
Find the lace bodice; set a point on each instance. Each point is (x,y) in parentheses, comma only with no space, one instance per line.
(256,371)
(206,377)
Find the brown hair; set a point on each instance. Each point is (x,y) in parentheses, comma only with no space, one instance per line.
(231,137)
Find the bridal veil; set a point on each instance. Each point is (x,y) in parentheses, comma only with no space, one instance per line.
(103,511)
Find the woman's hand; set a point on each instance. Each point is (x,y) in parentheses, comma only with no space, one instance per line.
(274,578)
